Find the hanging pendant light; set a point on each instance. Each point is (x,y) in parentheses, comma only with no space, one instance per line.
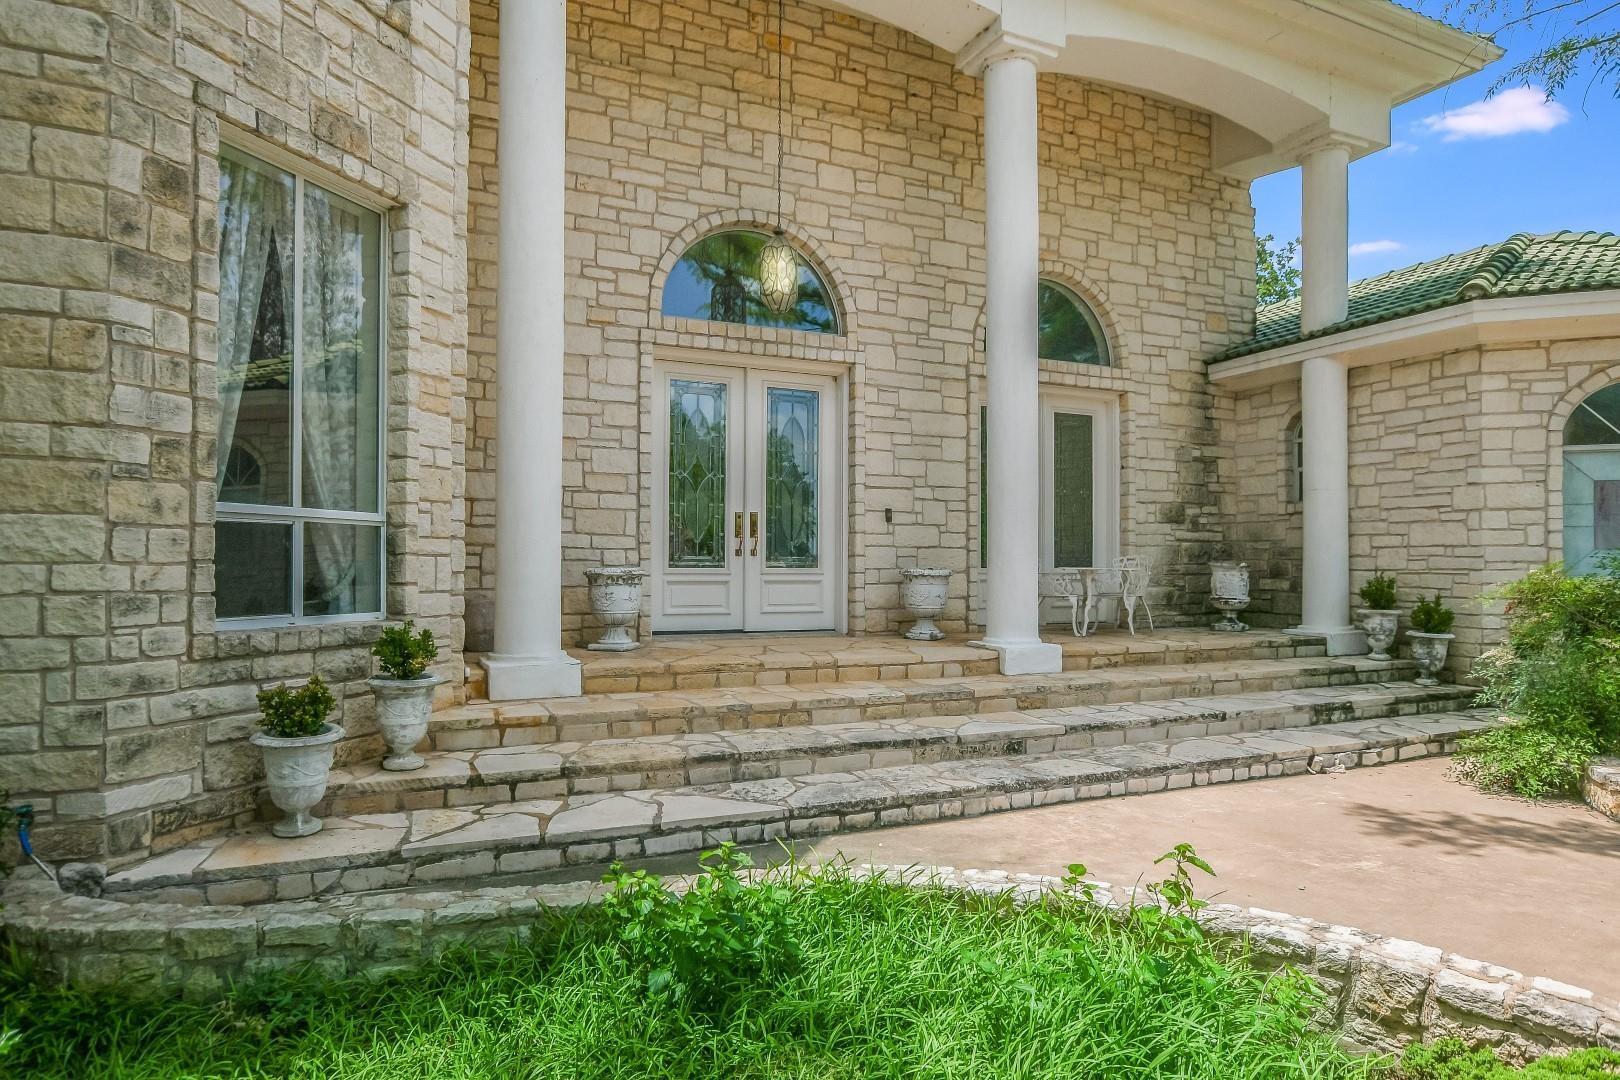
(778,262)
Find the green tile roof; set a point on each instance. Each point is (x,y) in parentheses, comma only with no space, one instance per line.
(1524,264)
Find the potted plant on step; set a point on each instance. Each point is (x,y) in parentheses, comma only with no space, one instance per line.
(404,692)
(1380,617)
(297,742)
(1430,637)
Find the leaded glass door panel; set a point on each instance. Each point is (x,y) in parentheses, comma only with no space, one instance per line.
(1591,508)
(1079,513)
(745,499)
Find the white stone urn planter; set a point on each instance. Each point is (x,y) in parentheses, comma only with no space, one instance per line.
(1229,593)
(296,770)
(403,709)
(1380,629)
(923,591)
(616,601)
(1429,653)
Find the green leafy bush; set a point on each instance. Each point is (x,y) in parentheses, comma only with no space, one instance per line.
(1379,593)
(882,982)
(1557,677)
(402,654)
(701,946)
(1432,617)
(287,713)
(1450,1059)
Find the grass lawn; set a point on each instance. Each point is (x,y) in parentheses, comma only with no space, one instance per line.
(803,976)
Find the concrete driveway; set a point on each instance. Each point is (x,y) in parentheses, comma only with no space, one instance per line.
(1398,850)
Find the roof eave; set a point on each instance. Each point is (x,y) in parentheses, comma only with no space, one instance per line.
(1490,320)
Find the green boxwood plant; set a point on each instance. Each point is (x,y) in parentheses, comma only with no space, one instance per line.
(1432,617)
(402,654)
(1379,593)
(295,713)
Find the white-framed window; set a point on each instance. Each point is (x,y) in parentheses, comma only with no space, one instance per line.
(1294,458)
(298,535)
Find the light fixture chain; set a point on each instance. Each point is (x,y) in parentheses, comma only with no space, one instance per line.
(781,100)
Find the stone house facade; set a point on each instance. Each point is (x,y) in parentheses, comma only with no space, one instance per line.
(128,135)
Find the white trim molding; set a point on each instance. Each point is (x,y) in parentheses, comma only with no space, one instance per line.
(1497,320)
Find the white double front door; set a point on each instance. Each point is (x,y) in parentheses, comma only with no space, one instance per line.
(748,499)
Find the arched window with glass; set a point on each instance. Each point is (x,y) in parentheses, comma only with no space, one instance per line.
(1069,330)
(1592,482)
(717,280)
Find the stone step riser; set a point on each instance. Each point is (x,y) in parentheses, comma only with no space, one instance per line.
(618,719)
(904,749)
(545,849)
(605,676)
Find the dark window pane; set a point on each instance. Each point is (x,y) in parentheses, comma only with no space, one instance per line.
(252,569)
(1606,515)
(792,476)
(697,473)
(1071,490)
(1595,421)
(340,353)
(342,568)
(718,279)
(255,324)
(1068,330)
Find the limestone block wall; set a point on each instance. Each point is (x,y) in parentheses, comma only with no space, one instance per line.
(123,707)
(672,134)
(1456,478)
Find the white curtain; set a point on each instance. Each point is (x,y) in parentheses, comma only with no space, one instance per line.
(339,401)
(253,207)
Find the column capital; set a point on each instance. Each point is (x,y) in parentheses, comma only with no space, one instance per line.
(1313,140)
(995,43)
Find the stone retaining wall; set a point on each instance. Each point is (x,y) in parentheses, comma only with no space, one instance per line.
(1601,786)
(1383,993)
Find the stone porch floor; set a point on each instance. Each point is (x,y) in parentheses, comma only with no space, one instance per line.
(706,661)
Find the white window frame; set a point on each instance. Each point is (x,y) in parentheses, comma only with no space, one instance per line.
(277,158)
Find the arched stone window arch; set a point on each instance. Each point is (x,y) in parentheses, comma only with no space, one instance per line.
(1592,481)
(1070,331)
(717,279)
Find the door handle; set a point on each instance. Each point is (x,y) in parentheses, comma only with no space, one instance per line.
(753,530)
(736,527)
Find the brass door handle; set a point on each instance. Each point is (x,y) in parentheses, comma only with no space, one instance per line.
(736,527)
(753,530)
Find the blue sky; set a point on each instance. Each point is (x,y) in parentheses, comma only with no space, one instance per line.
(1464,171)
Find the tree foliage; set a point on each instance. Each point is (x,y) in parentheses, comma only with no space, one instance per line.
(1276,270)
(1571,37)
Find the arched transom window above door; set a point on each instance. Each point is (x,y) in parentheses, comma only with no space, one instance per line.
(1069,329)
(1592,482)
(717,279)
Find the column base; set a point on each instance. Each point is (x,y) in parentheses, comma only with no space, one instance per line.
(1341,640)
(1026,657)
(515,678)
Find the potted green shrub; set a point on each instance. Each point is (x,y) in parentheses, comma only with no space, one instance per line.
(297,741)
(1380,617)
(404,692)
(1430,637)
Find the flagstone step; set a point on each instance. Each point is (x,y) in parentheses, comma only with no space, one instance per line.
(674,712)
(516,774)
(387,850)
(701,662)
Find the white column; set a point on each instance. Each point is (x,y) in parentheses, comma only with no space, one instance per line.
(1012,274)
(528,660)
(1324,397)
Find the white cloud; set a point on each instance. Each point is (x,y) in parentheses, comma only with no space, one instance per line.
(1401,146)
(1375,247)
(1523,108)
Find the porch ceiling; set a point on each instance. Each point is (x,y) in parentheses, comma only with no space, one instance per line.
(1276,74)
